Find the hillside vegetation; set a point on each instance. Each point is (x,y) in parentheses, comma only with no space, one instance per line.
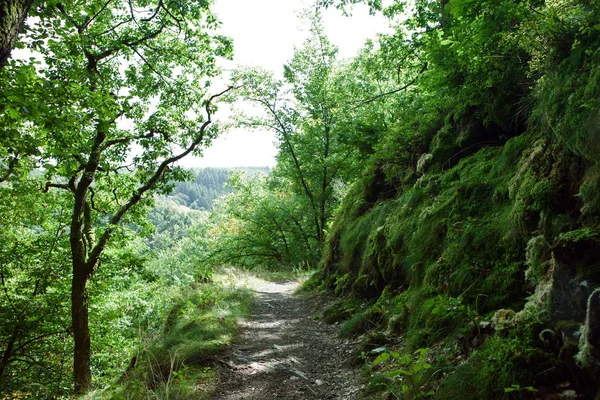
(474,232)
(207,186)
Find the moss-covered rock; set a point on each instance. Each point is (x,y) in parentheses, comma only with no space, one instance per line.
(339,311)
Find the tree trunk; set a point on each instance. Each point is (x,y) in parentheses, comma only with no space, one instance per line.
(81,332)
(12,16)
(83,264)
(9,347)
(85,252)
(324,183)
(323,206)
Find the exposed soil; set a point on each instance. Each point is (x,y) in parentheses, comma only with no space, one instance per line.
(283,352)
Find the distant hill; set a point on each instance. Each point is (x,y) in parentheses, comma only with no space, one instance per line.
(209,185)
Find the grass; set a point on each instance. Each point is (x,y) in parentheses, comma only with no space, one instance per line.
(176,363)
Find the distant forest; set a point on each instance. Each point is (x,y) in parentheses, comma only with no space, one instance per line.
(209,185)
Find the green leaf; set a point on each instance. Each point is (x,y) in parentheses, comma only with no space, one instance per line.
(397,372)
(422,352)
(513,388)
(381,358)
(14,114)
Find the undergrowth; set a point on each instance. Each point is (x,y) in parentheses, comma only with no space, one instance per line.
(177,362)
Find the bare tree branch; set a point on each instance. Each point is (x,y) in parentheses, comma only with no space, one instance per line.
(158,7)
(110,143)
(131,43)
(90,20)
(113,28)
(57,186)
(93,201)
(161,76)
(372,99)
(45,335)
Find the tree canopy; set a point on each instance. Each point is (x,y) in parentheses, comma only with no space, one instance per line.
(121,93)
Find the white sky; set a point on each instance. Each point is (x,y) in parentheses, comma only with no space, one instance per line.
(264,34)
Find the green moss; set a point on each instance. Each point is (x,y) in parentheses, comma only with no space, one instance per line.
(537,258)
(589,192)
(577,236)
(362,285)
(500,363)
(339,311)
(356,325)
(484,223)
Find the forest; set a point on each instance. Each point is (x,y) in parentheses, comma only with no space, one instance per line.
(436,196)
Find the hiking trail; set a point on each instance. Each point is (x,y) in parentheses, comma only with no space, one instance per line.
(284,352)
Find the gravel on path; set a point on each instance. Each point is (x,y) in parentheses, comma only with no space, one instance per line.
(283,352)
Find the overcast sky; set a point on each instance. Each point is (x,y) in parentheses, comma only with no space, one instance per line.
(264,34)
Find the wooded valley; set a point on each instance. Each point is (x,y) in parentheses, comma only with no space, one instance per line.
(440,190)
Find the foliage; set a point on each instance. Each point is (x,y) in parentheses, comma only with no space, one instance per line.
(446,178)
(304,109)
(401,376)
(518,388)
(98,93)
(481,189)
(282,220)
(207,186)
(173,362)
(35,276)
(339,311)
(260,225)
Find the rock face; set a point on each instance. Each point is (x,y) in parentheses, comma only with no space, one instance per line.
(589,344)
(501,233)
(569,296)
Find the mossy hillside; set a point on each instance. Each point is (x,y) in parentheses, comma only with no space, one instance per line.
(475,230)
(460,214)
(470,240)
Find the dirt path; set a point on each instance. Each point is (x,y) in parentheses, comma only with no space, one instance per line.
(284,353)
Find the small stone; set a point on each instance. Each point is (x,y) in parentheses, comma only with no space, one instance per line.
(568,394)
(485,324)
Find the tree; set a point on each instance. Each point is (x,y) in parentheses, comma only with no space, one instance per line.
(262,223)
(328,117)
(304,110)
(120,100)
(12,16)
(34,274)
